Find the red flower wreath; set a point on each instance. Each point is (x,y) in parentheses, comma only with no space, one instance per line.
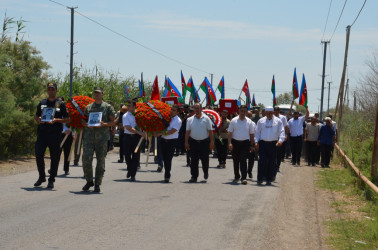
(148,120)
(75,116)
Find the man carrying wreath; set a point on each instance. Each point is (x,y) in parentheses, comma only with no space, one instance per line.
(96,140)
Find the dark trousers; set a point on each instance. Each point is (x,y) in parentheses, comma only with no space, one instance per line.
(267,160)
(312,150)
(52,141)
(240,151)
(121,146)
(296,149)
(221,147)
(77,156)
(251,160)
(326,153)
(66,149)
(199,150)
(280,156)
(132,159)
(167,150)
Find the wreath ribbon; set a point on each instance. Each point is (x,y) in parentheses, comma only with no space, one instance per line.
(158,113)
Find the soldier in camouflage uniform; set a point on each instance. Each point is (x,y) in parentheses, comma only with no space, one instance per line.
(96,140)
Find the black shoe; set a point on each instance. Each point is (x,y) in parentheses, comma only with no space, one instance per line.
(132,178)
(166,180)
(159,169)
(250,175)
(268,183)
(48,171)
(244,182)
(67,172)
(193,180)
(120,161)
(50,184)
(313,164)
(206,176)
(87,186)
(128,175)
(39,182)
(75,164)
(97,189)
(259,183)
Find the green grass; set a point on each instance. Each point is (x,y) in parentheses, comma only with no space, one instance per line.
(358,230)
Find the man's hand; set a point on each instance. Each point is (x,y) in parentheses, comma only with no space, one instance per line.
(211,145)
(187,147)
(279,144)
(230,146)
(256,146)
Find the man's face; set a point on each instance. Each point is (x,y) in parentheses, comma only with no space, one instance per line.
(313,119)
(197,109)
(276,113)
(296,115)
(243,112)
(224,114)
(130,108)
(269,114)
(173,112)
(249,114)
(51,92)
(97,95)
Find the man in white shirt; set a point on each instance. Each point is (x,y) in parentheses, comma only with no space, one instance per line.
(199,140)
(269,135)
(240,141)
(281,150)
(169,142)
(295,125)
(130,140)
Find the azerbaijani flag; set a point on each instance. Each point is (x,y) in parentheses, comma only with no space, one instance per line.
(303,97)
(183,85)
(170,89)
(127,92)
(295,85)
(274,92)
(141,89)
(245,89)
(221,87)
(254,101)
(210,94)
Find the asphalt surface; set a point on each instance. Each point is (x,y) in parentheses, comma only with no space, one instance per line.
(151,214)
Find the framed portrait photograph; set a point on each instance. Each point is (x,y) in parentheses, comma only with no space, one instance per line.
(94,119)
(48,114)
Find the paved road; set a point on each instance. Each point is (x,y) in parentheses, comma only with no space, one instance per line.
(150,214)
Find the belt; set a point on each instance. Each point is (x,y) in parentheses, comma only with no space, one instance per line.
(169,139)
(130,134)
(268,141)
(199,141)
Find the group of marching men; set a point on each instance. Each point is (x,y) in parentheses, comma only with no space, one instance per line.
(242,136)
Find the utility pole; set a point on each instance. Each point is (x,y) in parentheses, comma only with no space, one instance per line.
(323,76)
(211,78)
(354,102)
(71,48)
(329,91)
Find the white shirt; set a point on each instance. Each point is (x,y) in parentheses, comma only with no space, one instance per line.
(241,129)
(128,119)
(270,130)
(283,120)
(199,128)
(296,126)
(174,124)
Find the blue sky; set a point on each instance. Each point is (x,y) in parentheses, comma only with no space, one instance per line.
(239,39)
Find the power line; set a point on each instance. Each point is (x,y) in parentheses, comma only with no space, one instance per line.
(325,26)
(358,13)
(133,41)
(339,19)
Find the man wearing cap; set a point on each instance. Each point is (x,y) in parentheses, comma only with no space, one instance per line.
(199,140)
(221,140)
(269,135)
(295,125)
(49,135)
(96,140)
(240,142)
(326,140)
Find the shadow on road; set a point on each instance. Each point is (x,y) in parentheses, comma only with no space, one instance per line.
(33,189)
(84,192)
(139,181)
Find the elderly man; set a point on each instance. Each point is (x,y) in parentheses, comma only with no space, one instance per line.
(311,138)
(199,140)
(295,125)
(326,140)
(240,142)
(269,135)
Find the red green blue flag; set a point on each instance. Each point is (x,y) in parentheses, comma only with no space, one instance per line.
(142,93)
(303,97)
(274,92)
(245,89)
(170,89)
(221,87)
(210,93)
(193,92)
(183,85)
(295,85)
(127,92)
(254,101)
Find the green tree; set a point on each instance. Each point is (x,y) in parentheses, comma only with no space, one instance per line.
(22,78)
(286,98)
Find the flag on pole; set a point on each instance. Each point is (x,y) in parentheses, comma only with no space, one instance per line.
(170,89)
(155,95)
(183,85)
(295,85)
(245,89)
(141,89)
(210,93)
(303,97)
(127,92)
(193,92)
(254,101)
(221,87)
(274,92)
